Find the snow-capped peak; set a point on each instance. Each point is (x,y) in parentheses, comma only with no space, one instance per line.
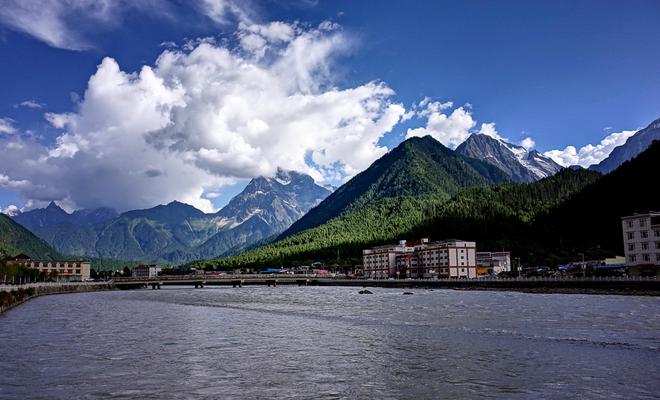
(521,164)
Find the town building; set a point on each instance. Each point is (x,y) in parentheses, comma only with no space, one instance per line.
(493,263)
(63,270)
(641,239)
(147,271)
(381,262)
(423,260)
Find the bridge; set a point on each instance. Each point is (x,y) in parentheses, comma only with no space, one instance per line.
(199,281)
(619,285)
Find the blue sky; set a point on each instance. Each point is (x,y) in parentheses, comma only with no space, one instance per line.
(563,73)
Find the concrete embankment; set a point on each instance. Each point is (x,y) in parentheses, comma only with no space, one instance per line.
(12,296)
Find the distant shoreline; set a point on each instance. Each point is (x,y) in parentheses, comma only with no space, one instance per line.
(616,288)
(622,286)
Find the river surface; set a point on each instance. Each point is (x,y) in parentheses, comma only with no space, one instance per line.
(330,343)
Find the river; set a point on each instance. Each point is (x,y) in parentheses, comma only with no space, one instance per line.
(330,343)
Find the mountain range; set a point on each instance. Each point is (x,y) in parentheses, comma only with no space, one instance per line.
(546,221)
(178,232)
(484,180)
(519,163)
(635,144)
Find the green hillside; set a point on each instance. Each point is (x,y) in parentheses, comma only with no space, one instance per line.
(417,167)
(590,222)
(15,239)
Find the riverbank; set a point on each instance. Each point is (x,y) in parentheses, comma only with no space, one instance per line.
(610,285)
(13,296)
(632,287)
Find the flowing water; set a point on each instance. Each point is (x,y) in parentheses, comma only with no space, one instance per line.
(330,342)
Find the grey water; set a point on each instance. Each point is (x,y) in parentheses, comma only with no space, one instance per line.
(330,343)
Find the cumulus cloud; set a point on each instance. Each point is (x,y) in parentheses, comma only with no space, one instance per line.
(490,130)
(450,129)
(449,125)
(66,24)
(7,126)
(203,118)
(589,154)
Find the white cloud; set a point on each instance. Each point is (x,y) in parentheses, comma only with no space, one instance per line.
(449,129)
(198,120)
(11,210)
(490,130)
(7,126)
(589,154)
(58,120)
(528,143)
(9,183)
(221,11)
(30,104)
(66,24)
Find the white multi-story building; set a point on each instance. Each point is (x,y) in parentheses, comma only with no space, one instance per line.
(146,271)
(493,263)
(446,259)
(641,239)
(380,262)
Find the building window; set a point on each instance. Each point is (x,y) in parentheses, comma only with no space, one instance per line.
(657,245)
(645,246)
(656,233)
(630,224)
(642,222)
(633,258)
(645,234)
(646,257)
(631,246)
(631,235)
(657,257)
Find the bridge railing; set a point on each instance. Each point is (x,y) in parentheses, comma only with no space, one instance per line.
(200,277)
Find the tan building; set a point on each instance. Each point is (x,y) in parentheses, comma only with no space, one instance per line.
(446,259)
(424,260)
(64,270)
(380,262)
(641,239)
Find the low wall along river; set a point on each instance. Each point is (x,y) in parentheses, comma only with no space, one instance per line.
(13,295)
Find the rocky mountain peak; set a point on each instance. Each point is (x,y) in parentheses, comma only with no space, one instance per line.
(519,163)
